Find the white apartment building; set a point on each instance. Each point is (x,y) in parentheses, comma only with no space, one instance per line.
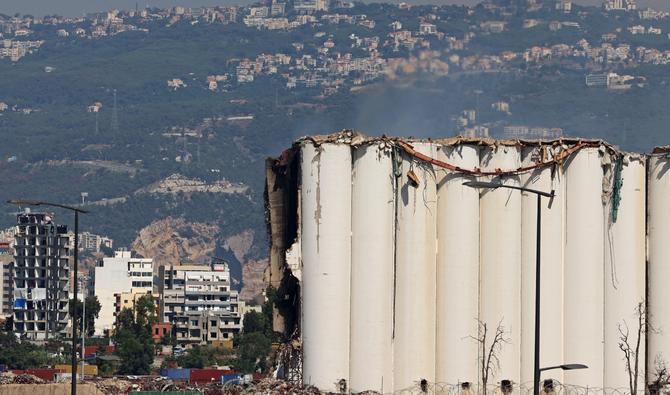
(111,276)
(199,302)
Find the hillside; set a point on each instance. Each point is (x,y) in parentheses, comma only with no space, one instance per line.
(166,131)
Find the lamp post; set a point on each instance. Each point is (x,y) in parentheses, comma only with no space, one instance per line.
(76,258)
(540,194)
(569,366)
(83,327)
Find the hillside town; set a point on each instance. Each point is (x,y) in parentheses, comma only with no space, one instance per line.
(421,39)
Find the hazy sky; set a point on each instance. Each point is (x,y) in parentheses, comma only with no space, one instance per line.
(77,7)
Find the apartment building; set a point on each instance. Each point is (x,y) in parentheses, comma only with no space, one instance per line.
(199,303)
(116,275)
(127,300)
(40,277)
(91,242)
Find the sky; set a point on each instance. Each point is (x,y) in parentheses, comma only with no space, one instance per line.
(78,7)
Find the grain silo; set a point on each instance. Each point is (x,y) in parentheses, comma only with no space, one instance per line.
(401,265)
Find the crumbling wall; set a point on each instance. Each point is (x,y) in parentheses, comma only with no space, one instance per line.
(281,201)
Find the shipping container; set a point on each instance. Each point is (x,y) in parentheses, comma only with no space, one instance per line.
(201,376)
(231,378)
(88,350)
(176,373)
(89,370)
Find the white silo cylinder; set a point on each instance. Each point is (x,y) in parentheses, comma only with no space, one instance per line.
(658,343)
(457,268)
(625,272)
(414,337)
(500,259)
(373,226)
(584,268)
(551,266)
(326,254)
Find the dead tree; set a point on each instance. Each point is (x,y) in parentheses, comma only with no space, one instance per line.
(630,351)
(490,360)
(661,376)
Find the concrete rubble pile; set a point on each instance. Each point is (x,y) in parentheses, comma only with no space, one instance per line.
(10,378)
(266,386)
(114,386)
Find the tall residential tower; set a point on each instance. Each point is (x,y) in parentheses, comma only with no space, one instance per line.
(40,277)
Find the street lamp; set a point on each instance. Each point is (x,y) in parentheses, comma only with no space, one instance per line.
(540,194)
(76,257)
(569,366)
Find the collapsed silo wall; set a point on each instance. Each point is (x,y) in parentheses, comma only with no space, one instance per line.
(402,264)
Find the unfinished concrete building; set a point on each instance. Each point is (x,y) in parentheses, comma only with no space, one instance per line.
(6,265)
(40,277)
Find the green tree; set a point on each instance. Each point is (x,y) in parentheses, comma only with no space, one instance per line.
(92,311)
(22,355)
(197,357)
(134,343)
(255,322)
(253,349)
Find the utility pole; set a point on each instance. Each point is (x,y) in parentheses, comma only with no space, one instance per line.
(115,117)
(83,327)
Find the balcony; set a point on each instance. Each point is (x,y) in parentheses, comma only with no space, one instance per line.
(207,303)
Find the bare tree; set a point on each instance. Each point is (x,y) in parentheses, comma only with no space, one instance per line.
(490,360)
(630,351)
(661,376)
